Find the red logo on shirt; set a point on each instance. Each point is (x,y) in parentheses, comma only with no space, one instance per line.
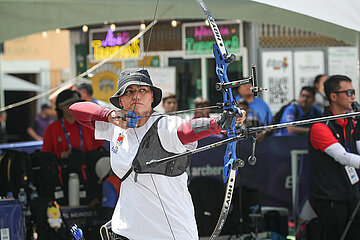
(120,139)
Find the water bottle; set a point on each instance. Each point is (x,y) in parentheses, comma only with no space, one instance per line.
(22,197)
(74,188)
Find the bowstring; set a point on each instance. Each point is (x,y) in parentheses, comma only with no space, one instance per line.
(136,98)
(146,52)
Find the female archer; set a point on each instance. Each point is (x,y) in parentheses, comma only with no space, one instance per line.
(154,202)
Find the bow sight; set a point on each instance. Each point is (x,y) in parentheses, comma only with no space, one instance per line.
(222,86)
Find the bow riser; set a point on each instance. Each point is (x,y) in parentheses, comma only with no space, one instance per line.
(221,71)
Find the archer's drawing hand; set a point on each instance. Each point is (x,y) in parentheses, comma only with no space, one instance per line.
(116,118)
(226,117)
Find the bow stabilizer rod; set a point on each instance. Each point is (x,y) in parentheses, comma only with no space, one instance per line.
(297,123)
(242,134)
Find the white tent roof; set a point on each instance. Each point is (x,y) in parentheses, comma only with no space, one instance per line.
(344,13)
(23,17)
(11,83)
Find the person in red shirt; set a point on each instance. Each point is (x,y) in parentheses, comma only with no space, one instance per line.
(65,133)
(334,152)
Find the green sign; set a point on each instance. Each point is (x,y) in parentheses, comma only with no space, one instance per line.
(206,47)
(199,40)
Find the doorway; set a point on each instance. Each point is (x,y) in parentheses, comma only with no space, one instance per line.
(20,118)
(188,81)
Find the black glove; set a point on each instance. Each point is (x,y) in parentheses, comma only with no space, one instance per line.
(226,117)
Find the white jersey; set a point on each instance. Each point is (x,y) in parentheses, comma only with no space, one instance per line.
(138,213)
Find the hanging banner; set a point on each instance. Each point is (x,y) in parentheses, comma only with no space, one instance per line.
(104,42)
(307,65)
(277,78)
(198,38)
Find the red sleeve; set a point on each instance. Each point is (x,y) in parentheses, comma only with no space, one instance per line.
(187,134)
(321,136)
(87,113)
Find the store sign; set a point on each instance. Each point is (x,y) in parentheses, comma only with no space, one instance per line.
(198,38)
(111,41)
(277,75)
(105,42)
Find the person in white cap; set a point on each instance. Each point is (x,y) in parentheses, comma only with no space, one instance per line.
(154,202)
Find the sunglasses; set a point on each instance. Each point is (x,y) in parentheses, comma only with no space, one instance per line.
(348,92)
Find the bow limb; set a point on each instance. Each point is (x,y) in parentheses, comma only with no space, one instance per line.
(223,59)
(226,204)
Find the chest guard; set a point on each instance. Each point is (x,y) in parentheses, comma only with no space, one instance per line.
(150,148)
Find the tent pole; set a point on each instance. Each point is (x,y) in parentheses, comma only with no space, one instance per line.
(2,92)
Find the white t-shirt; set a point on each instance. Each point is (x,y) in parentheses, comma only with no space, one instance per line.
(138,213)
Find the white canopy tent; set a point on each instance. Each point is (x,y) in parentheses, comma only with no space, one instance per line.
(23,17)
(11,83)
(344,13)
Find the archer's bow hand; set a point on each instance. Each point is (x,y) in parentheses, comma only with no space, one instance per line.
(226,117)
(118,118)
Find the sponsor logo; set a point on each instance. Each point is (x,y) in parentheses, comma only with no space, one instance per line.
(276,64)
